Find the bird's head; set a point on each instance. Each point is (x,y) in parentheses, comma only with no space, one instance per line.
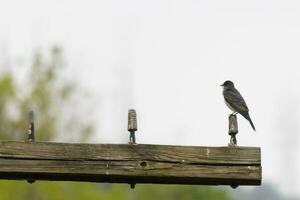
(228,84)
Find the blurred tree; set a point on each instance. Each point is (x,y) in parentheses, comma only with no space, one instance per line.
(47,93)
(175,192)
(265,191)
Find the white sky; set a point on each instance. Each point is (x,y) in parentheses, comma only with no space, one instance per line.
(167,59)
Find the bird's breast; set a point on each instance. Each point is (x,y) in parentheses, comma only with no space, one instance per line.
(228,105)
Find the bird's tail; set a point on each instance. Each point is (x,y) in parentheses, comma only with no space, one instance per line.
(251,123)
(247,116)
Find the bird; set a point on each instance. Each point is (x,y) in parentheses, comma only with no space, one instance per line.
(235,101)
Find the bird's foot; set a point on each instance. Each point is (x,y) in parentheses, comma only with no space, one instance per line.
(234,113)
(132,143)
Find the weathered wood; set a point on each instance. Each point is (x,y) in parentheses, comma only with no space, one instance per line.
(131,163)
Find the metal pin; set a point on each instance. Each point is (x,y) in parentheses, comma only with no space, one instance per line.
(30,134)
(232,129)
(132,185)
(132,125)
(234,186)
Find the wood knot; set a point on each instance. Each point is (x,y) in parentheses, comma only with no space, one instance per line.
(143,164)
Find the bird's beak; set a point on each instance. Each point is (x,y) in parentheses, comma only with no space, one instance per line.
(222,85)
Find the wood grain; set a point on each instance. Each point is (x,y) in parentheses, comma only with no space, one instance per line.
(142,163)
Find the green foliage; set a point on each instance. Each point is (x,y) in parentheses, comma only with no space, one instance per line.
(7,96)
(78,191)
(175,192)
(47,93)
(44,91)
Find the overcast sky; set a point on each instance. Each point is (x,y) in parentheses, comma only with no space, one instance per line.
(167,59)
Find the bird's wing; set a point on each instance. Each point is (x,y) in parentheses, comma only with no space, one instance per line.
(235,100)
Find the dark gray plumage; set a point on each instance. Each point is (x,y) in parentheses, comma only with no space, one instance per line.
(235,101)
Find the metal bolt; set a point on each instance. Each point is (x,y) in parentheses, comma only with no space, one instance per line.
(132,125)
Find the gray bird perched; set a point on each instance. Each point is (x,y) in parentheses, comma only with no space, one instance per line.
(235,101)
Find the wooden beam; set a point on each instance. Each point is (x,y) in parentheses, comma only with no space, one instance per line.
(125,163)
